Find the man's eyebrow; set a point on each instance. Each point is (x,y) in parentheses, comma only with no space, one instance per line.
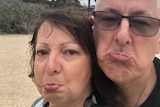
(144,13)
(111,10)
(141,12)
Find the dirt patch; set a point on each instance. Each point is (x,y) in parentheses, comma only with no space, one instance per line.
(16,88)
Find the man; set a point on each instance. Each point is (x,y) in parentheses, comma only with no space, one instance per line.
(127,37)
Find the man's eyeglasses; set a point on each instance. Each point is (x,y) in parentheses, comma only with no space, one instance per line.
(140,25)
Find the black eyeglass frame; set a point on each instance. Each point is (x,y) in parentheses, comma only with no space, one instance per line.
(154,32)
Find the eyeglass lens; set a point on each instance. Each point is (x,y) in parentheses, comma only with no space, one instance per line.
(140,25)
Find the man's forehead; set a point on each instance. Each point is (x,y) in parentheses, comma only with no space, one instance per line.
(156,2)
(147,5)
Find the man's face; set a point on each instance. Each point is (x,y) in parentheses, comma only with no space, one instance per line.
(122,54)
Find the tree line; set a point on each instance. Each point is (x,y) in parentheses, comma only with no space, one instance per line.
(18,16)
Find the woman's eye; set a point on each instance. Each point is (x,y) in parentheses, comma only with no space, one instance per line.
(70,52)
(41,52)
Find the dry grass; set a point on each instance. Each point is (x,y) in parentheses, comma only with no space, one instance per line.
(16,89)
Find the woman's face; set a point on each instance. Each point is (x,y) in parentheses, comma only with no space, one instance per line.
(62,70)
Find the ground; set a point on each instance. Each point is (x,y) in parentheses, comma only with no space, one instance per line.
(16,88)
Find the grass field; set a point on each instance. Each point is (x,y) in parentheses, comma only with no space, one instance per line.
(16,88)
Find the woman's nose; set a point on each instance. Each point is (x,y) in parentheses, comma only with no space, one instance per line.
(53,65)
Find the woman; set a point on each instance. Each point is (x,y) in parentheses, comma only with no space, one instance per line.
(63,58)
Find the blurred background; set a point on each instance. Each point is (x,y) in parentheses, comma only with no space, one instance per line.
(18,16)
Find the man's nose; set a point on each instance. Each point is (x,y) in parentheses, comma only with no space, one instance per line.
(123,35)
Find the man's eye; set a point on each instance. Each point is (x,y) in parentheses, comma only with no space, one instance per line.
(141,22)
(110,19)
(41,52)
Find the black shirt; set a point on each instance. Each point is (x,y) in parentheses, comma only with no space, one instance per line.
(154,99)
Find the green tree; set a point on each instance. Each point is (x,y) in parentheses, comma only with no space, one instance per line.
(68,3)
(17,16)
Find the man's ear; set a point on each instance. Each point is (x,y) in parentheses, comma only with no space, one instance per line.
(158,50)
(91,18)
